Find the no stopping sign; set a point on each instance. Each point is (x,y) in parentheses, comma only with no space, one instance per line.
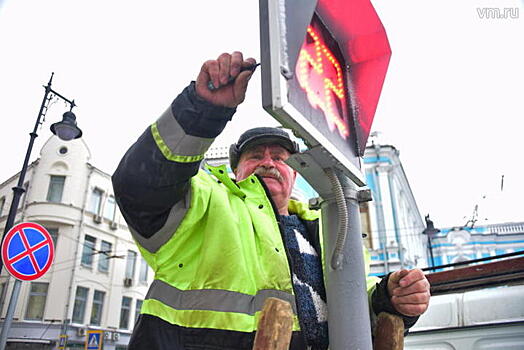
(27,251)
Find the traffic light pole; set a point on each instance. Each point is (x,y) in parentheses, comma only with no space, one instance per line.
(348,310)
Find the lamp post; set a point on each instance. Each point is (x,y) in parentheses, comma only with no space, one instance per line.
(429,231)
(65,130)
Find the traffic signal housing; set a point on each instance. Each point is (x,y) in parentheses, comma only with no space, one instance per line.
(323,67)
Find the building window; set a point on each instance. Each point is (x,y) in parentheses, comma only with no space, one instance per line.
(109,209)
(36,302)
(130,264)
(124,312)
(79,308)
(54,235)
(97,308)
(138,308)
(96,201)
(3,290)
(103,260)
(142,277)
(88,250)
(56,188)
(2,203)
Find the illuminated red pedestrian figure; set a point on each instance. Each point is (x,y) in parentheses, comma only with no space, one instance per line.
(319,73)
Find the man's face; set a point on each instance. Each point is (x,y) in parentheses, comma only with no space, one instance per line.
(267,161)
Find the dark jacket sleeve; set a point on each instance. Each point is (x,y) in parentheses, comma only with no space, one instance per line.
(146,183)
(381,302)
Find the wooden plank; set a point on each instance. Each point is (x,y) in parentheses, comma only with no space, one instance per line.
(389,332)
(275,326)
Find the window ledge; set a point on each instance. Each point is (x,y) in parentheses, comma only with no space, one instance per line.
(87,267)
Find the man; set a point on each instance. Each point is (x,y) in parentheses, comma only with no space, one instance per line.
(219,247)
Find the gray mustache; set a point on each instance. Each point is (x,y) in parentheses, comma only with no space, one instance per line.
(271,172)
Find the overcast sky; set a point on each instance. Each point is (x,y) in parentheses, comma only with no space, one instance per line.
(452,102)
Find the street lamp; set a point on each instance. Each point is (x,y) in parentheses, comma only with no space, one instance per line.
(65,130)
(429,231)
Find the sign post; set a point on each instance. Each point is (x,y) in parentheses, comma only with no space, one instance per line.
(62,343)
(27,253)
(323,67)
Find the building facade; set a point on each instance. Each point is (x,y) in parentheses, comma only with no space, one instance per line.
(464,243)
(98,279)
(391,221)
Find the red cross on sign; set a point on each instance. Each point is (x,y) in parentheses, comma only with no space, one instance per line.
(27,251)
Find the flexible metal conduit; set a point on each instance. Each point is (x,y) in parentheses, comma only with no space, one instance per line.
(337,257)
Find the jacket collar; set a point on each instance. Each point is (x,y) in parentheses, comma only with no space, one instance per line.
(295,207)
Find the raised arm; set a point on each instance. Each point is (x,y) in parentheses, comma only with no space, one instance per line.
(154,174)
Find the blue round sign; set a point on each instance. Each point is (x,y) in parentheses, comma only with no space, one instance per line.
(27,251)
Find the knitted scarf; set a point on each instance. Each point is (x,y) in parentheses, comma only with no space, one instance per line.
(308,283)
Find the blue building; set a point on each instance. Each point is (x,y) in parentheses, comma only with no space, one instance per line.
(391,221)
(458,244)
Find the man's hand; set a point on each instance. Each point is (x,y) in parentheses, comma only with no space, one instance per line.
(409,291)
(218,72)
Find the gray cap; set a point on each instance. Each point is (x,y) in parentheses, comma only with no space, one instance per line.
(259,136)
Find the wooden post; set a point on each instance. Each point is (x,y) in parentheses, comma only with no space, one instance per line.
(389,332)
(275,326)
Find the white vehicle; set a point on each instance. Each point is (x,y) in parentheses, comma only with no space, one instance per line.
(477,307)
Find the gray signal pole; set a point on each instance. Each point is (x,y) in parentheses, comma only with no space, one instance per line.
(348,310)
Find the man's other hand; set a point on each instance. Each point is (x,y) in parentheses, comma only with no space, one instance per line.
(218,72)
(409,291)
